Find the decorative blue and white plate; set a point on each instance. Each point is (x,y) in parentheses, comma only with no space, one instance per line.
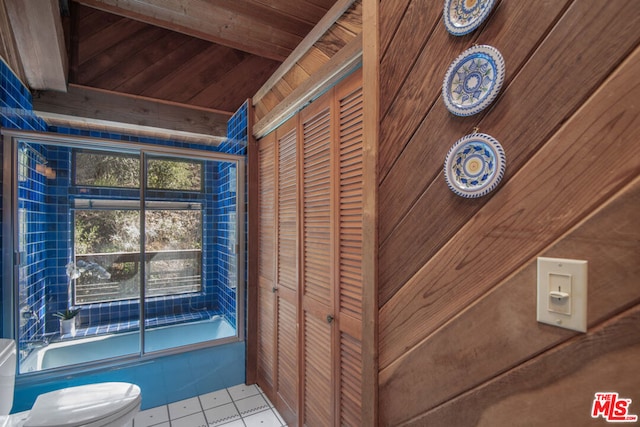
(463,16)
(473,80)
(474,165)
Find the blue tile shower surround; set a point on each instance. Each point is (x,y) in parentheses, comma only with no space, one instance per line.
(158,377)
(47,264)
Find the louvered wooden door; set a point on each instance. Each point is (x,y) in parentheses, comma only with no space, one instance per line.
(287,271)
(314,214)
(349,219)
(278,270)
(317,258)
(331,257)
(266,350)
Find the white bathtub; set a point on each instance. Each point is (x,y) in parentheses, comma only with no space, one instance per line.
(83,350)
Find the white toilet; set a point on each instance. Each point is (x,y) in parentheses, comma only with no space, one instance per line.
(95,405)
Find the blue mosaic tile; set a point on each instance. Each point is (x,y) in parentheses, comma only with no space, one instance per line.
(49,238)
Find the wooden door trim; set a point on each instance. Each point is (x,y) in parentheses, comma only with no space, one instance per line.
(371,125)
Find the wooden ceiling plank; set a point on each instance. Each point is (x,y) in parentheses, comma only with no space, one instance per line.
(39,37)
(91,21)
(212,20)
(339,66)
(313,60)
(205,67)
(351,21)
(227,91)
(162,67)
(338,9)
(108,37)
(117,76)
(93,69)
(294,78)
(94,104)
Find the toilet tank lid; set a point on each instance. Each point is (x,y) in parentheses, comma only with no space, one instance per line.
(76,406)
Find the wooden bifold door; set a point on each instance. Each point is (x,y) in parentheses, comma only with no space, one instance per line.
(310,256)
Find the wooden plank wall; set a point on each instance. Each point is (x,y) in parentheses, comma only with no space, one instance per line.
(458,339)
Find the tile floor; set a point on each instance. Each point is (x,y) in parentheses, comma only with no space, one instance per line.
(237,406)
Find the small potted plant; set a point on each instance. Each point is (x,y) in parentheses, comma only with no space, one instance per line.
(67,321)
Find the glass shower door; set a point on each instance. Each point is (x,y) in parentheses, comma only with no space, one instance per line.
(185,255)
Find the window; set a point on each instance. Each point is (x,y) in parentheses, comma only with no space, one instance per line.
(108,226)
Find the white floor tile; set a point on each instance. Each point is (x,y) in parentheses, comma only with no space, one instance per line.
(222,414)
(217,398)
(241,391)
(194,420)
(262,419)
(238,406)
(184,407)
(152,417)
(251,405)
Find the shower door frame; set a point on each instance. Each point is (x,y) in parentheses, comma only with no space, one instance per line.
(10,303)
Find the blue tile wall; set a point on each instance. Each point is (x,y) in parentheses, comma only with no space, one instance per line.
(50,239)
(16,112)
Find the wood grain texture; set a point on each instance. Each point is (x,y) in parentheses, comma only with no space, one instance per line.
(84,102)
(312,60)
(525,215)
(409,39)
(556,388)
(541,108)
(39,38)
(392,13)
(253,250)
(339,66)
(302,49)
(609,240)
(370,128)
(321,157)
(251,27)
(131,56)
(8,48)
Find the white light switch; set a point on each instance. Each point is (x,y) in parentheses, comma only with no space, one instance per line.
(562,293)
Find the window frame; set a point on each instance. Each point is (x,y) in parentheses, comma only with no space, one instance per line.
(119,198)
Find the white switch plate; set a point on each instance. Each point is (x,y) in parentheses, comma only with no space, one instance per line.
(562,293)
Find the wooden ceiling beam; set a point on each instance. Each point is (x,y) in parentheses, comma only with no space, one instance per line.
(86,107)
(238,24)
(8,48)
(39,38)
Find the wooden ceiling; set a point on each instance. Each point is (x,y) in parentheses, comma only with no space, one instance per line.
(152,66)
(213,54)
